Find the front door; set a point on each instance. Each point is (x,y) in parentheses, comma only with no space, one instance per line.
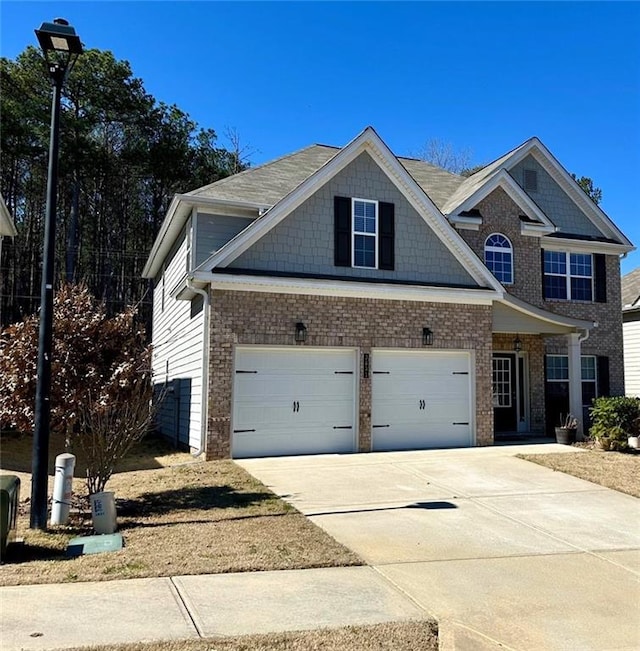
(505,398)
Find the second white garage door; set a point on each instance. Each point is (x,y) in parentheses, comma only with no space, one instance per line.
(293,400)
(421,399)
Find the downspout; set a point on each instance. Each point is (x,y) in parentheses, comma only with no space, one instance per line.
(205,364)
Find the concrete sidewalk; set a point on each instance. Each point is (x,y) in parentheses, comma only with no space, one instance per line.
(60,616)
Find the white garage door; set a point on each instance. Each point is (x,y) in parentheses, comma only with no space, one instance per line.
(293,401)
(421,399)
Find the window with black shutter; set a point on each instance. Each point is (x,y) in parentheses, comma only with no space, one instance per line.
(364,233)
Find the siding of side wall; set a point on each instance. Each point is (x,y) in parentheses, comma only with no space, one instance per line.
(214,231)
(269,319)
(177,354)
(631,333)
(304,241)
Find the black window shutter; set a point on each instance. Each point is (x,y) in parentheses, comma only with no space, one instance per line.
(386,246)
(600,269)
(342,231)
(603,375)
(544,284)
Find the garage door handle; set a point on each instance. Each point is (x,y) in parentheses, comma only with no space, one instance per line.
(296,406)
(342,427)
(422,405)
(380,426)
(459,423)
(239,431)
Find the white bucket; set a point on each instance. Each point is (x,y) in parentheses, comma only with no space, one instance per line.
(103,512)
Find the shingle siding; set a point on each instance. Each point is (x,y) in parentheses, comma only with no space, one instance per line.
(304,241)
(560,209)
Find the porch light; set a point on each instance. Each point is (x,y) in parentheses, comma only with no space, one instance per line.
(427,337)
(517,344)
(301,332)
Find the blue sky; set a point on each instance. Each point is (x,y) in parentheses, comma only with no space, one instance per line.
(482,76)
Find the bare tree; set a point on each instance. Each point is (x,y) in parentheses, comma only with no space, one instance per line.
(240,153)
(443,154)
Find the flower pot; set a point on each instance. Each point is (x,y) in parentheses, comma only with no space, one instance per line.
(565,435)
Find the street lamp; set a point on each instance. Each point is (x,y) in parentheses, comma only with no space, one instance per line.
(61,47)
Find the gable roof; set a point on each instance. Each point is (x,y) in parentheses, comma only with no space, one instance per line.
(367,141)
(259,189)
(631,289)
(269,183)
(466,193)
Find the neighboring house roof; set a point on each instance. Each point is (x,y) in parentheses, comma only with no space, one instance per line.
(631,289)
(7,226)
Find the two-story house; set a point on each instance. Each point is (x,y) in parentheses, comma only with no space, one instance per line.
(344,299)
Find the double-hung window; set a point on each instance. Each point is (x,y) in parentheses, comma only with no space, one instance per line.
(558,371)
(365,233)
(568,276)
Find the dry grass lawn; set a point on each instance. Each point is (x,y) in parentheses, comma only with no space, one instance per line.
(177,516)
(617,470)
(404,636)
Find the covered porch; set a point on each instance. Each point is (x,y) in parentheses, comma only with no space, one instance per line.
(524,402)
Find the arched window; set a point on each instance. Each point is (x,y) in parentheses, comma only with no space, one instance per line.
(498,256)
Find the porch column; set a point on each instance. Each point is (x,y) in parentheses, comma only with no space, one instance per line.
(575,379)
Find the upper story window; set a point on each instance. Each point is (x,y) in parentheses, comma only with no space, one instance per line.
(365,233)
(568,276)
(498,256)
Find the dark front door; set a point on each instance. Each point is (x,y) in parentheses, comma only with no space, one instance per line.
(505,403)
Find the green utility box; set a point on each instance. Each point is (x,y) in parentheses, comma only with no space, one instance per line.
(9,500)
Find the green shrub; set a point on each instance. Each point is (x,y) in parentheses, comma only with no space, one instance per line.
(615,419)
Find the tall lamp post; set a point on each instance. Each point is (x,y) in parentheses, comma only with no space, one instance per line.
(61,47)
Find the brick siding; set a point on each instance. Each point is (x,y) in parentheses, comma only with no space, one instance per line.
(501,215)
(245,318)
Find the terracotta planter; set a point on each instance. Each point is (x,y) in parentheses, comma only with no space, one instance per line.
(565,435)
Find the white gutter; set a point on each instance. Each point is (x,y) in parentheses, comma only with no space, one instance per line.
(205,365)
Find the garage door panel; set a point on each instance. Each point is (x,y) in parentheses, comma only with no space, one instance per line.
(420,399)
(295,401)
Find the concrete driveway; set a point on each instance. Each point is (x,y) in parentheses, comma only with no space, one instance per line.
(504,553)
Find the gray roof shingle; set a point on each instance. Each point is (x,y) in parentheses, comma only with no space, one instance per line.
(269,183)
(631,288)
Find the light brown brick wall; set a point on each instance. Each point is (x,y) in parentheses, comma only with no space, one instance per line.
(501,215)
(269,319)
